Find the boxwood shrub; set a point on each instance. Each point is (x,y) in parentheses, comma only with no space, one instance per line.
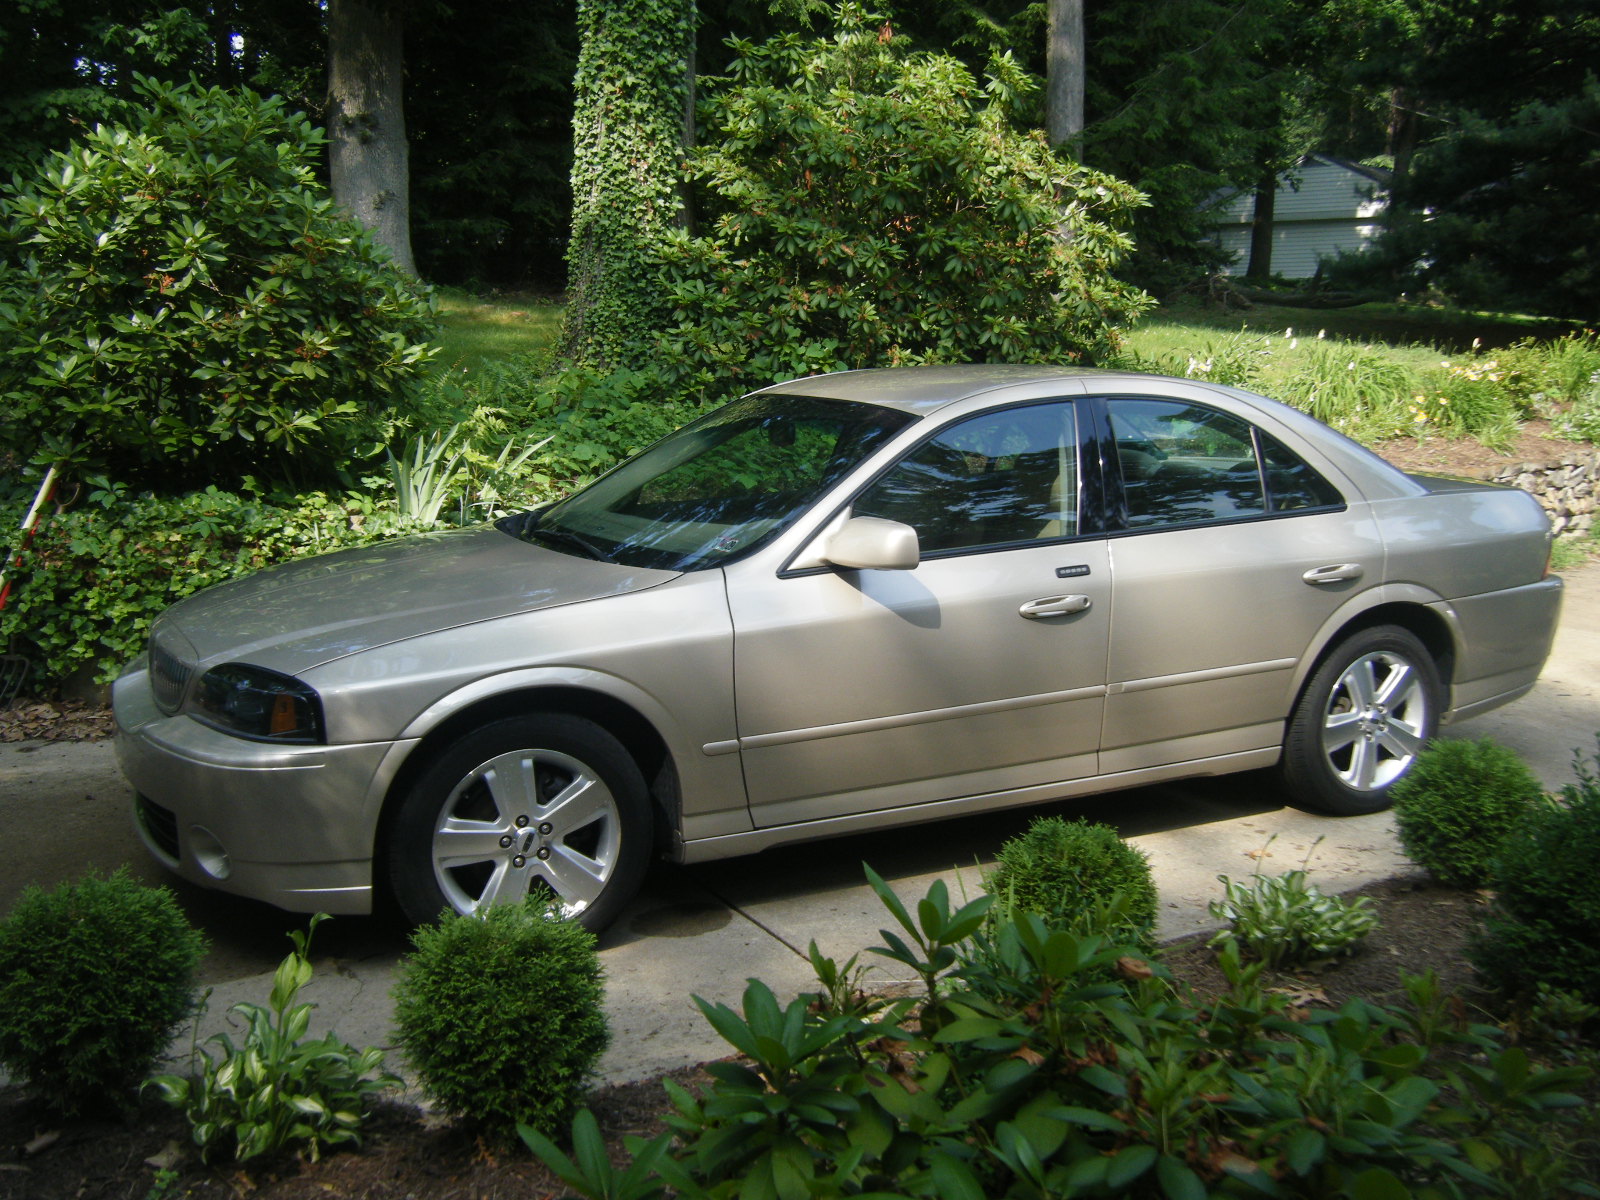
(94,978)
(502,1017)
(1458,803)
(1067,871)
(1547,898)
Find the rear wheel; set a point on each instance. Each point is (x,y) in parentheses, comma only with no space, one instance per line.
(1361,721)
(546,806)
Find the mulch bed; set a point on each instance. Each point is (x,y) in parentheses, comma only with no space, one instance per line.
(55,721)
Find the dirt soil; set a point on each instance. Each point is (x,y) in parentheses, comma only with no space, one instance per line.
(1534,443)
(409,1156)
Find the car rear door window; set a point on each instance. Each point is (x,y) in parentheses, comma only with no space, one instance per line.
(1186,464)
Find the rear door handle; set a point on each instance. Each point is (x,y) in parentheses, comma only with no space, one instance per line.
(1054,606)
(1334,573)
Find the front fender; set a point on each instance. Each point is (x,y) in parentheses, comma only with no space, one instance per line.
(711,784)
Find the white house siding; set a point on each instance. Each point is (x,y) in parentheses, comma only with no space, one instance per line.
(1336,207)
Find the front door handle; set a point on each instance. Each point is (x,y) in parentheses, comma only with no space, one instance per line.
(1334,573)
(1054,606)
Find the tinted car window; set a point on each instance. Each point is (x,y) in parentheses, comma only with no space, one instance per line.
(719,487)
(1292,483)
(1182,463)
(1003,477)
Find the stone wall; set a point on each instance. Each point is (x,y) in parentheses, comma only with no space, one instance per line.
(1566,488)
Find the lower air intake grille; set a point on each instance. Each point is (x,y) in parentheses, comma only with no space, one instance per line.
(160,825)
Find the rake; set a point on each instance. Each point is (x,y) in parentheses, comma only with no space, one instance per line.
(14,668)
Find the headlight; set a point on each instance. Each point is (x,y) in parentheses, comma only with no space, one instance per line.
(254,702)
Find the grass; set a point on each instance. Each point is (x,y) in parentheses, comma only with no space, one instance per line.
(1450,330)
(1569,553)
(478,329)
(1376,389)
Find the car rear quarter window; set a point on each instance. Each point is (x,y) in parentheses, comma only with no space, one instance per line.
(1292,483)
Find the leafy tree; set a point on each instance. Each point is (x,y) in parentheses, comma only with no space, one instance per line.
(180,302)
(634,63)
(1487,114)
(864,204)
(1501,214)
(65,64)
(1181,103)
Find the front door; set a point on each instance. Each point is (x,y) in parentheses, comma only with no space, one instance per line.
(981,671)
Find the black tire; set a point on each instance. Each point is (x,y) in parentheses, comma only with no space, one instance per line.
(545,804)
(1362,718)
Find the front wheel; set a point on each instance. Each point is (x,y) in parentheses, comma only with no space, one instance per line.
(1361,721)
(546,806)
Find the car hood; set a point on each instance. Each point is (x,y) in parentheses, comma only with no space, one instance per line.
(302,614)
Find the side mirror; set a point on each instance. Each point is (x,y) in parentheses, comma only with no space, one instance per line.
(873,544)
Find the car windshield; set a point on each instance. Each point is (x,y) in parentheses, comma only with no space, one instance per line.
(717,488)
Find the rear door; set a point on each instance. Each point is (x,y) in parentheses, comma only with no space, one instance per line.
(1232,553)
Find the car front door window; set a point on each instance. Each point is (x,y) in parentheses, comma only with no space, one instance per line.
(999,479)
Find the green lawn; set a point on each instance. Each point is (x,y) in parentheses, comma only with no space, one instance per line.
(1399,325)
(477,329)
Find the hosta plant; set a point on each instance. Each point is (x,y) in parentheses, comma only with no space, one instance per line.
(1286,920)
(276,1090)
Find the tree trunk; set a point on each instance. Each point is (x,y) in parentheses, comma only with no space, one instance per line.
(227,73)
(1260,268)
(1065,71)
(367,151)
(1402,131)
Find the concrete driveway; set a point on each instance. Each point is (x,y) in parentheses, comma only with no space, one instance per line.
(705,930)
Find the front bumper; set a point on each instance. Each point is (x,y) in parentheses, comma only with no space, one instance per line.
(290,825)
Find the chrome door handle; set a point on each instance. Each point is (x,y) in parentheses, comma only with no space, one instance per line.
(1054,606)
(1334,573)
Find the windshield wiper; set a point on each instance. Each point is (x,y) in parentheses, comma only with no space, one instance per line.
(561,537)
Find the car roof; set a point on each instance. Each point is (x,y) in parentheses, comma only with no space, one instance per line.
(922,390)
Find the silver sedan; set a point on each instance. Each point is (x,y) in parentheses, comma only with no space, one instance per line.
(838,604)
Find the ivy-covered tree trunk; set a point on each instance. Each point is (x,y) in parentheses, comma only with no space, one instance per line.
(634,61)
(368,159)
